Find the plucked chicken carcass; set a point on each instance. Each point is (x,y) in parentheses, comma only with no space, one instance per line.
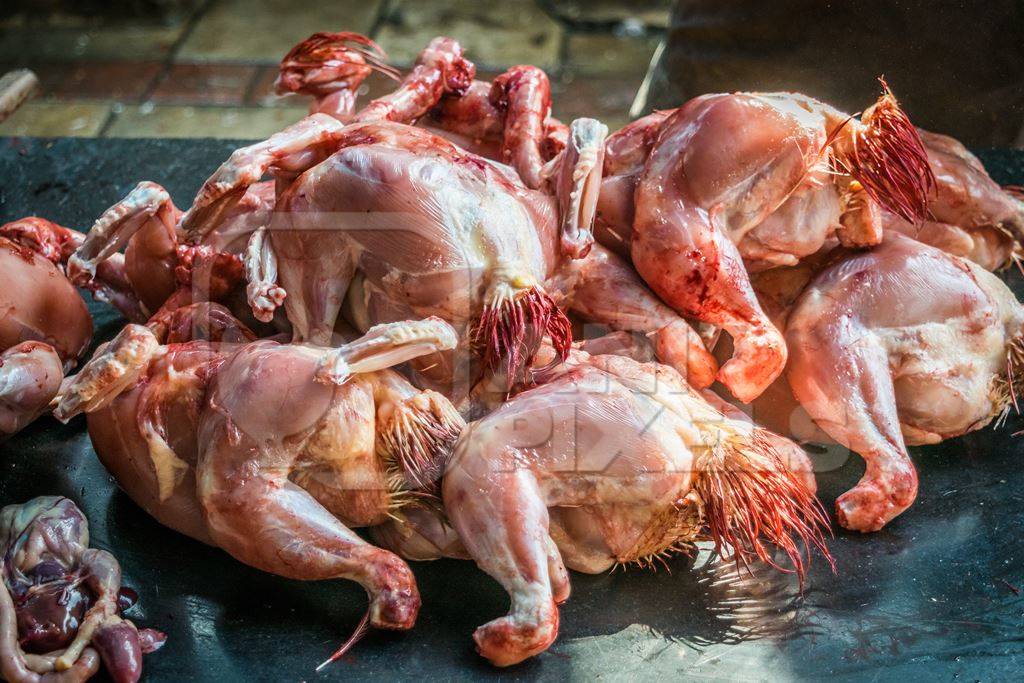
(61,601)
(609,461)
(159,268)
(901,344)
(969,215)
(45,325)
(735,181)
(274,452)
(408,225)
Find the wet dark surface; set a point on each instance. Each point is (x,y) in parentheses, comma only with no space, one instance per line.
(936,594)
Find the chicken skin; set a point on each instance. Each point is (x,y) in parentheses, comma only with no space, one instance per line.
(969,215)
(275,452)
(608,461)
(393,222)
(740,181)
(901,344)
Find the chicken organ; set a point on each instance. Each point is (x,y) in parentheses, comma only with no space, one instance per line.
(408,225)
(901,344)
(61,601)
(609,461)
(45,325)
(274,452)
(742,180)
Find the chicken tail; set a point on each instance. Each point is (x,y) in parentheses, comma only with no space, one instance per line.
(513,324)
(415,440)
(751,501)
(1008,389)
(888,158)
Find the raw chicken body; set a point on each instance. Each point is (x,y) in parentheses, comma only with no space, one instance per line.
(609,461)
(730,182)
(274,452)
(902,344)
(969,215)
(44,324)
(408,225)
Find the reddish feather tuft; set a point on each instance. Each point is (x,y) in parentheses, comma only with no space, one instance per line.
(753,501)
(343,51)
(416,441)
(889,160)
(511,331)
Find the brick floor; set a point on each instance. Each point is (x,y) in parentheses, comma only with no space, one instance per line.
(210,71)
(495,35)
(122,81)
(29,42)
(205,84)
(262,31)
(44,119)
(174,121)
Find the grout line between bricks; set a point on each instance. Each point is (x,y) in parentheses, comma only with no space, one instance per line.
(383,13)
(172,53)
(109,121)
(249,92)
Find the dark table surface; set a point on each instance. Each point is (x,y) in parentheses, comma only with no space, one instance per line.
(936,594)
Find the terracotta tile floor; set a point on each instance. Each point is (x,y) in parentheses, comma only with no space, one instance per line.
(207,70)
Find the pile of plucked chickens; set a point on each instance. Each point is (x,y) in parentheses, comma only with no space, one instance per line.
(368,320)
